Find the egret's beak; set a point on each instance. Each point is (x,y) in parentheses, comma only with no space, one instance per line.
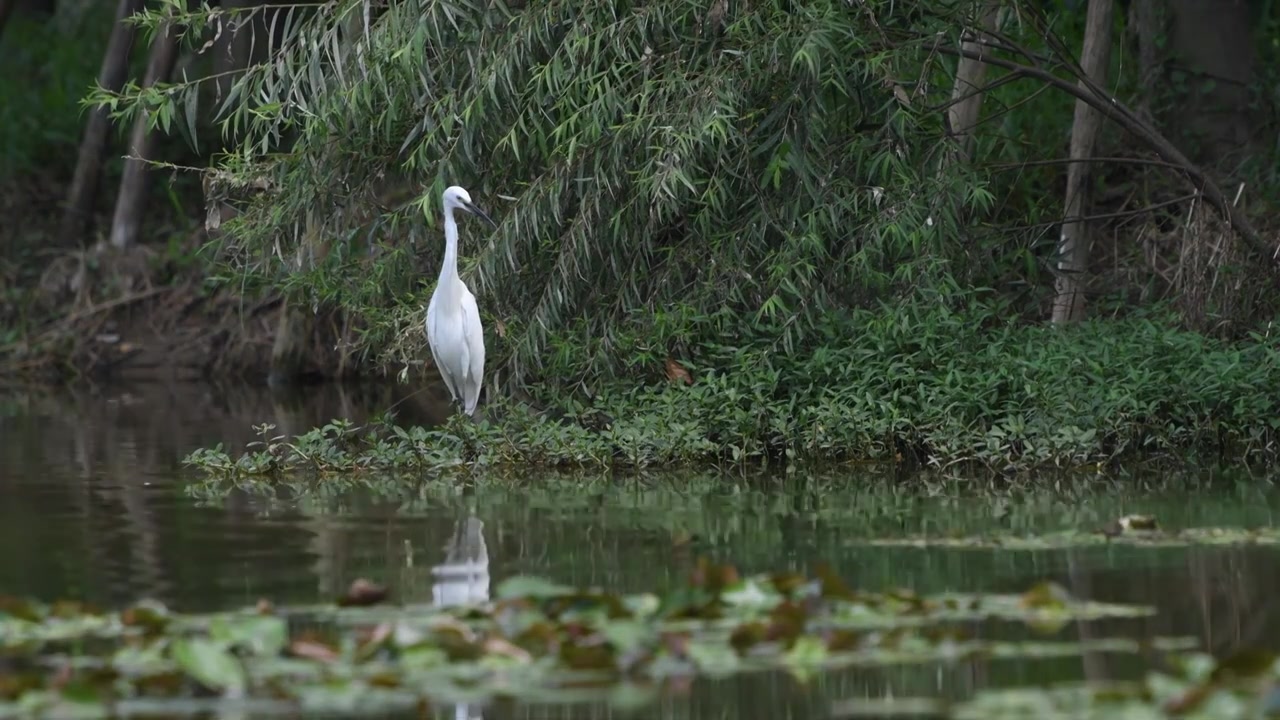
(471,208)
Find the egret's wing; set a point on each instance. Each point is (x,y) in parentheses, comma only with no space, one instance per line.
(433,335)
(473,339)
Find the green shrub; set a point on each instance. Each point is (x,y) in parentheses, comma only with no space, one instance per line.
(919,380)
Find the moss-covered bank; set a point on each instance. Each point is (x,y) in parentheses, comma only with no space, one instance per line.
(914,383)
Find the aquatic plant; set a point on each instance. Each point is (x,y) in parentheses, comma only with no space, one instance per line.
(535,640)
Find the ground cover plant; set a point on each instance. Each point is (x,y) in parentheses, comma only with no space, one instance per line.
(915,383)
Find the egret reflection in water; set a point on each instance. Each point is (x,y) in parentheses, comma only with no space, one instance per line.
(463,578)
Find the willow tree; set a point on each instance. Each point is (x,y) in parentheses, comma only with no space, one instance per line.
(668,175)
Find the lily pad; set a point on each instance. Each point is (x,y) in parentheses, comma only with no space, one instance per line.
(538,640)
(1135,537)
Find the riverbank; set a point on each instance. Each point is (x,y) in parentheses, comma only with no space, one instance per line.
(145,313)
(907,385)
(915,382)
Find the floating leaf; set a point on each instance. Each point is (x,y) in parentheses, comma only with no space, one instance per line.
(260,634)
(363,593)
(524,586)
(1070,539)
(211,664)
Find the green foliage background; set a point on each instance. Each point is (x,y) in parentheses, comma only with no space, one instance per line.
(766,192)
(659,181)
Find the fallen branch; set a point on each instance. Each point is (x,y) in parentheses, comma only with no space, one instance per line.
(112,304)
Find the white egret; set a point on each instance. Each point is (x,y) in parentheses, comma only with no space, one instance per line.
(454,331)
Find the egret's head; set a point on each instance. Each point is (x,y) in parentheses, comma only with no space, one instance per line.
(458,197)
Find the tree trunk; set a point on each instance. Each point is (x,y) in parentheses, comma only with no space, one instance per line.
(967,101)
(133,185)
(1073,245)
(84,187)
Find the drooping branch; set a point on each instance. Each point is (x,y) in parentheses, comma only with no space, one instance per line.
(1116,111)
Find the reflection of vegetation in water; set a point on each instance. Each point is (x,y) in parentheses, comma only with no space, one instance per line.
(537,640)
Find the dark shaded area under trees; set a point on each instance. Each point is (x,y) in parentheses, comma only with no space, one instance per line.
(678,183)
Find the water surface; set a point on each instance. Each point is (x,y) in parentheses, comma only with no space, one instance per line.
(95,505)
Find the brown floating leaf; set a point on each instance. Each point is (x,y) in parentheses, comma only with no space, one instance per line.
(1189,700)
(676,643)
(787,621)
(832,585)
(1244,665)
(908,598)
(596,655)
(788,583)
(148,619)
(362,594)
(312,649)
(539,639)
(714,578)
(1138,522)
(61,676)
(677,373)
(457,639)
(747,636)
(371,640)
(71,609)
(582,601)
(18,608)
(843,640)
(384,679)
(498,647)
(1130,524)
(164,684)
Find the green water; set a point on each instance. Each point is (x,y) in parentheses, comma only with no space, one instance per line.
(95,505)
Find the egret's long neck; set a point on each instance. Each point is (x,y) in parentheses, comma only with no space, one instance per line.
(449,269)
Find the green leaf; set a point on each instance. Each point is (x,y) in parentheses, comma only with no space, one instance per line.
(210,663)
(261,634)
(526,586)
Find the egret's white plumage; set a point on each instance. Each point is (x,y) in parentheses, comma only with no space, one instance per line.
(454,331)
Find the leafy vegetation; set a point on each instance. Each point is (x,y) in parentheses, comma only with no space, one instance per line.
(668,175)
(536,640)
(918,382)
(1196,686)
